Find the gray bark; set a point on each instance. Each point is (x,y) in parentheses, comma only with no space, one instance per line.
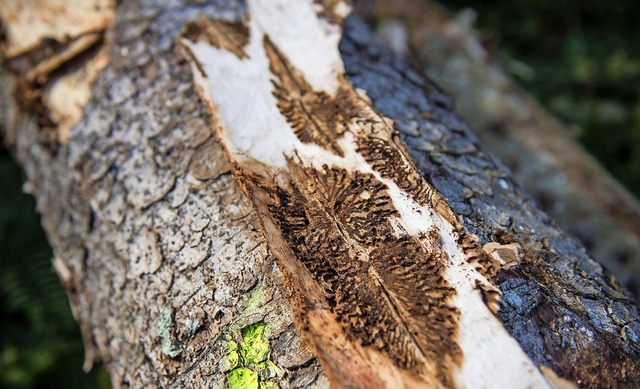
(162,256)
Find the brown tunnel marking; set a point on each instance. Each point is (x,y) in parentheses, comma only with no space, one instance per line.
(230,36)
(386,291)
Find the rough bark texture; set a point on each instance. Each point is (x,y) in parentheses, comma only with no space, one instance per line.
(542,153)
(558,293)
(155,243)
(167,271)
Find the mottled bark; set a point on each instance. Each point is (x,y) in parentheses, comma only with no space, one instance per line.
(162,256)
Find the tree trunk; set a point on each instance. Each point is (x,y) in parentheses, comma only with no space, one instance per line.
(167,269)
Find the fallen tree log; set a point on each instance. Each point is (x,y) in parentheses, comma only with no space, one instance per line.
(166,264)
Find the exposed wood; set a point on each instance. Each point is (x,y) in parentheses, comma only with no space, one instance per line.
(163,257)
(382,287)
(66,96)
(543,153)
(545,297)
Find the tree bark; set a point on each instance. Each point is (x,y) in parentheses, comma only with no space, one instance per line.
(543,154)
(167,270)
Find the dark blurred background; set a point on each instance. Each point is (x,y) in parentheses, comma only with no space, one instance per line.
(580,59)
(41,344)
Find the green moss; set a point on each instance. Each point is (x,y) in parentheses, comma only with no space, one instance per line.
(268,371)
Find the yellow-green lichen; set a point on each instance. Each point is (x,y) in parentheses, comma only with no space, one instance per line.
(268,385)
(231,359)
(255,347)
(247,360)
(244,378)
(255,299)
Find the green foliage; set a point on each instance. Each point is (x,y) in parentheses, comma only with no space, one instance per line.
(40,341)
(582,62)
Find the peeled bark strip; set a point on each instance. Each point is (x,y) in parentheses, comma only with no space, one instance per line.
(55,48)
(26,23)
(166,266)
(383,289)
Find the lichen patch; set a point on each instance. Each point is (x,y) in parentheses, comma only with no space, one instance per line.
(247,361)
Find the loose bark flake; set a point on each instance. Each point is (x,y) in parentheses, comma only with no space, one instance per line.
(55,49)
(26,24)
(388,289)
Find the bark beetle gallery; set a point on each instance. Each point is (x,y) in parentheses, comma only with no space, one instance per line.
(388,289)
